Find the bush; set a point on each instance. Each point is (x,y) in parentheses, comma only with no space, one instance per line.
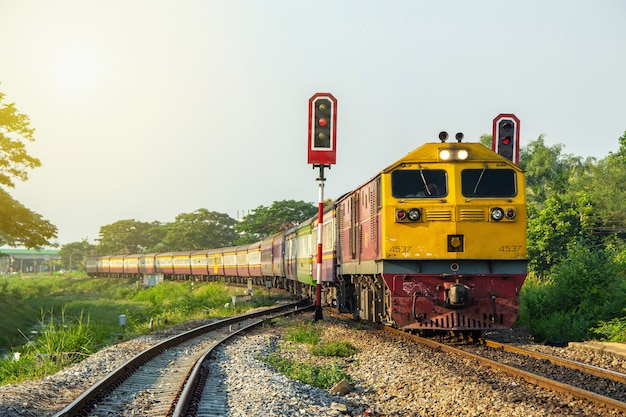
(613,330)
(575,295)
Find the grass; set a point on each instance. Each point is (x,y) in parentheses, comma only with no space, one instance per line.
(321,376)
(304,332)
(339,349)
(54,321)
(307,335)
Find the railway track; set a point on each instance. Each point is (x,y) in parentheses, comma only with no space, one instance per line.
(603,387)
(161,380)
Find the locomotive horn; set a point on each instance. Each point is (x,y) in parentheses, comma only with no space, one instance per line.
(443,136)
(459,137)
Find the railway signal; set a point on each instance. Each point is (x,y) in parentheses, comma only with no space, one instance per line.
(322,152)
(505,140)
(322,144)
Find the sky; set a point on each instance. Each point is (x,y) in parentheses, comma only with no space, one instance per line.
(147,109)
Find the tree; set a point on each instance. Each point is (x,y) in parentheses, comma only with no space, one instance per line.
(266,221)
(563,221)
(549,172)
(619,157)
(201,229)
(73,255)
(19,226)
(485,140)
(606,185)
(126,237)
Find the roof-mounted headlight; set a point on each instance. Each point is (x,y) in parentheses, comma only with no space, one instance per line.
(453,154)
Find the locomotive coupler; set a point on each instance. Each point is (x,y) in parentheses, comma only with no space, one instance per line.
(457,295)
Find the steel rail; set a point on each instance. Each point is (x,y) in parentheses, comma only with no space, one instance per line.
(527,376)
(583,367)
(191,394)
(101,389)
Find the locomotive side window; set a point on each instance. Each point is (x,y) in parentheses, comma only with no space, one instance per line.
(494,183)
(419,183)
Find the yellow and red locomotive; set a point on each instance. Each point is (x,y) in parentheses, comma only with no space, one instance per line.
(436,241)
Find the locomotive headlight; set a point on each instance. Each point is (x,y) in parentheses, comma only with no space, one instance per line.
(497,214)
(453,154)
(414,214)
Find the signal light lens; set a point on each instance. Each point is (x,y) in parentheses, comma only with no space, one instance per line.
(400,214)
(506,140)
(510,214)
(497,214)
(322,122)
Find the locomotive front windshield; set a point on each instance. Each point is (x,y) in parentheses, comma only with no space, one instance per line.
(419,183)
(493,183)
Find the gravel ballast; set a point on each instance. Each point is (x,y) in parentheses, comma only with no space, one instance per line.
(391,377)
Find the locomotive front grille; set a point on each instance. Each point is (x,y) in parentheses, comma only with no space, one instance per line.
(472,215)
(438,215)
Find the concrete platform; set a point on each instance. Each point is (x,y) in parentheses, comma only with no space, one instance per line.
(612,348)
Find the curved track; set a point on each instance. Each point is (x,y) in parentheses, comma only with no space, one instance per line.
(154,380)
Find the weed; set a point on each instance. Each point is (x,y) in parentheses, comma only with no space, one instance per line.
(304,332)
(311,374)
(340,349)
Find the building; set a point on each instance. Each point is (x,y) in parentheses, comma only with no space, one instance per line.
(28,261)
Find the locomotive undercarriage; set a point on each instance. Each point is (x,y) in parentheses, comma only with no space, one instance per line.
(365,297)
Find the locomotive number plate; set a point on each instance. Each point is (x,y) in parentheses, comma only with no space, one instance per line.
(399,250)
(510,248)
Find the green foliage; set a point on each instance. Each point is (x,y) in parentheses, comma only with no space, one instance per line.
(576,231)
(69,341)
(201,229)
(619,157)
(127,237)
(606,187)
(486,140)
(14,130)
(266,221)
(19,226)
(613,330)
(323,376)
(341,349)
(551,230)
(304,332)
(316,375)
(586,287)
(548,171)
(61,342)
(90,310)
(73,255)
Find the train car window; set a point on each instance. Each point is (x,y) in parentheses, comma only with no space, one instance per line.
(419,183)
(494,183)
